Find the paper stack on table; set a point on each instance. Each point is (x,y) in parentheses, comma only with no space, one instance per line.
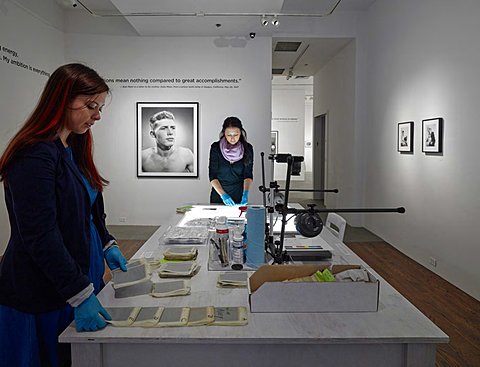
(122,316)
(174,316)
(230,316)
(177,269)
(232,279)
(171,288)
(157,290)
(177,316)
(137,289)
(180,253)
(186,235)
(201,316)
(137,272)
(148,316)
(183,209)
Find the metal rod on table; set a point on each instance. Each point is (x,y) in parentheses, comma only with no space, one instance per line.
(347,210)
(311,190)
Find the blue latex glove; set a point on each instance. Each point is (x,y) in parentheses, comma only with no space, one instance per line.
(87,316)
(227,200)
(115,258)
(244,198)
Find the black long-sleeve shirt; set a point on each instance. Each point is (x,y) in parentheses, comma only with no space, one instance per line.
(230,175)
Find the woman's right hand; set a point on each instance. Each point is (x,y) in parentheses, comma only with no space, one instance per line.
(87,315)
(227,200)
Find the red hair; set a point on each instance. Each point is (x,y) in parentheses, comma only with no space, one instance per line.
(64,85)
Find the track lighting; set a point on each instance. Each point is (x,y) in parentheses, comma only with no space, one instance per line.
(275,21)
(264,21)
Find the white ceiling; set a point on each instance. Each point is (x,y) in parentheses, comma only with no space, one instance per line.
(232,21)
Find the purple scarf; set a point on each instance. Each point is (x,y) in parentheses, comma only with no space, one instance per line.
(232,153)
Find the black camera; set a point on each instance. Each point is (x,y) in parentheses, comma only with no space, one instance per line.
(252,35)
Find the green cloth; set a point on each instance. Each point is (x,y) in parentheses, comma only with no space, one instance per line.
(324,276)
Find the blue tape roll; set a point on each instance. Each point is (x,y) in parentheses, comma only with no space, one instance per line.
(255,252)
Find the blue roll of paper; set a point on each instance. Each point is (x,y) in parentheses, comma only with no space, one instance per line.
(255,252)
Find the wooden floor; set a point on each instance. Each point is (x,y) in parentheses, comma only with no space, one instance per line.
(451,309)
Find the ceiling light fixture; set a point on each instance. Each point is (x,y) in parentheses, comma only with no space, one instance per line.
(290,73)
(275,21)
(264,21)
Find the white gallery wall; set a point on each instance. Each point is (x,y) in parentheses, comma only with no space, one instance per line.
(288,118)
(308,129)
(29,46)
(132,200)
(423,62)
(334,95)
(292,104)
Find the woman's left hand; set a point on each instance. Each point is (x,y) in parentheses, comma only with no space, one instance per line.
(115,258)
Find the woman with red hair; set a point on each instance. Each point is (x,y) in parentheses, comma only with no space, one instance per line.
(53,265)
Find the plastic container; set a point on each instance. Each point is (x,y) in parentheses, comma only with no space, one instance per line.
(236,250)
(221,232)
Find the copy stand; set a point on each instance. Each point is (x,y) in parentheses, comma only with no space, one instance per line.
(279,202)
(308,222)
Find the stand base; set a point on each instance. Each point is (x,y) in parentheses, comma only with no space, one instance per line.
(317,255)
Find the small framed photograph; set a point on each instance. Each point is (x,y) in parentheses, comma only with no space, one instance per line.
(432,135)
(167,139)
(405,137)
(274,143)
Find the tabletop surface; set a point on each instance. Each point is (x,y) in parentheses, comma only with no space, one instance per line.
(396,321)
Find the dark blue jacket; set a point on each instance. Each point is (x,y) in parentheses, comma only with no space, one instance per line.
(47,258)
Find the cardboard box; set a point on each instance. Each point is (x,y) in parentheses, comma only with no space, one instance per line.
(268,292)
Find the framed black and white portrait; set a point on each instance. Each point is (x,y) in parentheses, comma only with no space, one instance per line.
(167,139)
(432,135)
(274,142)
(405,137)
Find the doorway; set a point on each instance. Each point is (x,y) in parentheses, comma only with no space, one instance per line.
(319,156)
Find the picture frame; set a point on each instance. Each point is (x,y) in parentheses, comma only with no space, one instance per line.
(432,135)
(405,137)
(274,142)
(161,127)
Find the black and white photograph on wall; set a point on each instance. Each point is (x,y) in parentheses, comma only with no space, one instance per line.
(274,143)
(167,139)
(405,137)
(432,135)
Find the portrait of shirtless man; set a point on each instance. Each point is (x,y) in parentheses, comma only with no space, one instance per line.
(165,156)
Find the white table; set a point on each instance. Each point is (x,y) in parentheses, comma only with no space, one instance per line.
(397,335)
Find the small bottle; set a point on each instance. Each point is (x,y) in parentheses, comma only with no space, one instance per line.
(212,228)
(237,251)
